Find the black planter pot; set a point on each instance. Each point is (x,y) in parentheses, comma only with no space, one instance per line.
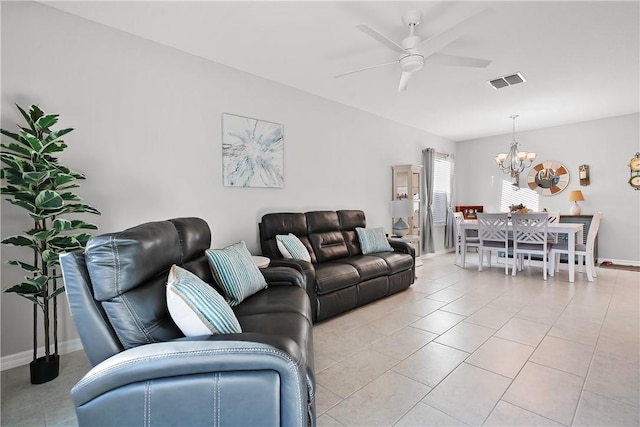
(43,371)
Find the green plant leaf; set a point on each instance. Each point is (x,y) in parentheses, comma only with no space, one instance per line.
(49,200)
(53,136)
(33,141)
(68,196)
(63,178)
(27,119)
(35,178)
(35,113)
(20,241)
(11,135)
(49,256)
(12,161)
(46,121)
(53,147)
(43,236)
(24,266)
(24,289)
(18,150)
(79,224)
(80,207)
(64,242)
(59,224)
(83,238)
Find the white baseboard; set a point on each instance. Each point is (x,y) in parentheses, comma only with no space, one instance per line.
(25,357)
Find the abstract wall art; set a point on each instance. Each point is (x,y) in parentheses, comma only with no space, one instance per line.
(252,152)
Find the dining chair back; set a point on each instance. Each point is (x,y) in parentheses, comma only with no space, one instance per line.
(581,250)
(554,216)
(460,234)
(530,236)
(493,236)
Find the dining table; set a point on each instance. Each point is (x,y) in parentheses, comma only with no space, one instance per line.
(573,231)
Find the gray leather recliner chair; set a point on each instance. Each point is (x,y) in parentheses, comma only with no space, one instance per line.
(147,373)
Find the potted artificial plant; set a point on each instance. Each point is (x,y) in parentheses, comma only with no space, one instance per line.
(37,182)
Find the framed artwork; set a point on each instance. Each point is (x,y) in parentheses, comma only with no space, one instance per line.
(548,178)
(252,152)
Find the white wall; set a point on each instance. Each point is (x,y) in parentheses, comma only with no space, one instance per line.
(148,130)
(606,145)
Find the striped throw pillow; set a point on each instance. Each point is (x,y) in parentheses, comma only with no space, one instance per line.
(292,248)
(196,307)
(373,240)
(235,272)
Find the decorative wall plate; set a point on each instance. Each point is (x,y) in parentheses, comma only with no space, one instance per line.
(548,178)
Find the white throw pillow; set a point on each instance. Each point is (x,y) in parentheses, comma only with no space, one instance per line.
(196,307)
(292,248)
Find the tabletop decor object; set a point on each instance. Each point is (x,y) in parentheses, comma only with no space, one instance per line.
(252,152)
(37,182)
(515,161)
(575,196)
(401,209)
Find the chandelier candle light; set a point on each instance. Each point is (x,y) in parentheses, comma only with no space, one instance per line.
(575,197)
(515,161)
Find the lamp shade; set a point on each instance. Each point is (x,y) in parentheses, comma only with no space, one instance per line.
(576,196)
(401,208)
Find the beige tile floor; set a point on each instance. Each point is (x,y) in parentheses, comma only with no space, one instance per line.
(458,348)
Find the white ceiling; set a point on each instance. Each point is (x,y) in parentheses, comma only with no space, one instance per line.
(580,58)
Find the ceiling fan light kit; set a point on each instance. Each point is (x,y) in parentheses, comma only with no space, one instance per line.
(411,59)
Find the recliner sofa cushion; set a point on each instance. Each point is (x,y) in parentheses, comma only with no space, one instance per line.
(196,307)
(368,267)
(332,276)
(396,262)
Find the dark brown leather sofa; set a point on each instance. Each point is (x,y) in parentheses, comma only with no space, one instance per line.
(339,277)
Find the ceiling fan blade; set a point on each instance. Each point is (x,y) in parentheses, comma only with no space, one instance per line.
(458,61)
(364,69)
(404,80)
(381,38)
(433,44)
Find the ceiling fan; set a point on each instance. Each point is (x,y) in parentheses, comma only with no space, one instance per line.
(411,59)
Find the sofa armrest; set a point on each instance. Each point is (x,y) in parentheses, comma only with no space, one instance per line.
(308,271)
(403,247)
(283,276)
(129,388)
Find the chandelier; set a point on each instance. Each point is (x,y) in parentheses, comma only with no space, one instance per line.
(515,161)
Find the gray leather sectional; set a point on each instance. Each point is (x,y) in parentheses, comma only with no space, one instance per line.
(147,373)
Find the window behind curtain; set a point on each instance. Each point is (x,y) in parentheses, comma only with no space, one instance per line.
(441,189)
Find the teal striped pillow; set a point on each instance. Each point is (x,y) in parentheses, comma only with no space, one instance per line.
(291,247)
(235,272)
(373,240)
(196,307)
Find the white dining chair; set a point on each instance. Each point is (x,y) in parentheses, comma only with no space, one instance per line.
(530,237)
(554,217)
(582,250)
(460,234)
(493,236)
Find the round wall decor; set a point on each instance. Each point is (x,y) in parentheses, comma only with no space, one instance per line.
(548,178)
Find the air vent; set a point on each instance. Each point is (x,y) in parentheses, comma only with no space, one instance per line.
(505,81)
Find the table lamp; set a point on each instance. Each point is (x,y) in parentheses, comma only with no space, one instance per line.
(401,209)
(575,197)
